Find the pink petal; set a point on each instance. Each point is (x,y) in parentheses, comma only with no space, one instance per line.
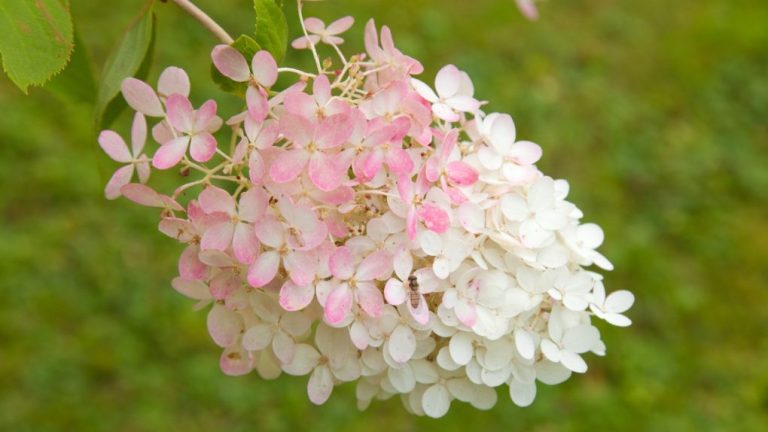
(245,244)
(338,305)
(205,116)
(373,163)
(432,169)
(324,172)
(340,25)
(230,63)
(224,325)
(235,361)
(141,97)
(370,299)
(214,199)
(288,165)
(410,223)
(224,284)
(333,131)
(314,25)
(138,133)
(170,153)
(371,40)
(528,9)
(375,266)
(257,169)
(295,127)
(448,81)
(435,218)
(202,147)
(270,231)
(146,196)
(114,146)
(258,107)
(399,161)
(120,178)
(305,42)
(303,105)
(341,263)
(421,312)
(253,204)
(300,266)
(143,170)
(294,297)
(461,173)
(190,266)
(218,237)
(264,68)
(321,89)
(181,114)
(264,269)
(173,80)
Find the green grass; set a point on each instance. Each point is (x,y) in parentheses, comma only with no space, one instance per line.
(655,111)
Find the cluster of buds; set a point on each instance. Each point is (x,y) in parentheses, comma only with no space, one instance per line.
(363,225)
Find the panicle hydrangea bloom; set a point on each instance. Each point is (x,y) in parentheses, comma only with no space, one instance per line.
(360,225)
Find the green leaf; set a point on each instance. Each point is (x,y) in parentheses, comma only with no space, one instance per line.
(271,27)
(77,82)
(36,40)
(247,47)
(126,60)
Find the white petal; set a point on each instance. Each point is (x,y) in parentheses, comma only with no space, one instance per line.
(460,347)
(573,361)
(522,394)
(320,385)
(551,373)
(430,242)
(580,339)
(402,344)
(305,358)
(402,379)
(550,350)
(224,325)
(524,343)
(436,401)
(257,337)
(619,301)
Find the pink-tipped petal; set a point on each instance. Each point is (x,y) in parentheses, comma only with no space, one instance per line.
(245,245)
(173,80)
(370,299)
(114,146)
(170,153)
(341,263)
(230,63)
(264,269)
(375,266)
(421,312)
(264,68)
(141,97)
(338,305)
(294,297)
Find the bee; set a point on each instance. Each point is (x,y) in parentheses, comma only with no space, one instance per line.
(413,291)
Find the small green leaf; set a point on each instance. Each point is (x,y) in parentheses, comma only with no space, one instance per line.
(77,82)
(36,41)
(247,47)
(126,60)
(271,27)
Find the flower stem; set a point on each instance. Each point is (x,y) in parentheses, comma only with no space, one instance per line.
(205,20)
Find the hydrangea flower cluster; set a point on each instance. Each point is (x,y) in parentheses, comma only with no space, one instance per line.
(364,225)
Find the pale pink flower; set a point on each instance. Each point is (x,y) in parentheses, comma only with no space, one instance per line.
(143,98)
(114,146)
(231,63)
(196,126)
(400,65)
(318,32)
(528,9)
(417,208)
(354,284)
(320,105)
(314,144)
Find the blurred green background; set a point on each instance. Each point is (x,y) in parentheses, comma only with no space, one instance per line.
(655,111)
